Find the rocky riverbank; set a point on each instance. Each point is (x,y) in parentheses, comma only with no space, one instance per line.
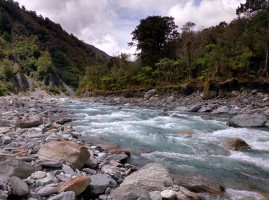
(42,157)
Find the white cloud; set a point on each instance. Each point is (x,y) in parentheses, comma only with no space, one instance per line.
(108,24)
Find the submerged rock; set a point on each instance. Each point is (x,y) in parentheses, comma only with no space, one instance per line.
(236,144)
(248,120)
(151,177)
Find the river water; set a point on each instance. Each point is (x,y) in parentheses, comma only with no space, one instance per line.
(151,136)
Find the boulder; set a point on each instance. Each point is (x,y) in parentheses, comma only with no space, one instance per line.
(130,192)
(63,121)
(47,190)
(194,108)
(189,194)
(100,182)
(236,144)
(19,187)
(220,110)
(151,177)
(197,183)
(248,120)
(120,151)
(70,195)
(205,109)
(150,94)
(155,195)
(33,121)
(73,154)
(77,184)
(170,99)
(10,166)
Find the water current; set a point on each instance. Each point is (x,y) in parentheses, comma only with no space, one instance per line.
(151,136)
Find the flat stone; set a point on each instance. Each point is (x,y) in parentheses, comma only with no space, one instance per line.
(77,184)
(39,175)
(151,177)
(51,164)
(220,110)
(197,183)
(67,169)
(19,187)
(47,190)
(44,181)
(130,192)
(70,195)
(33,121)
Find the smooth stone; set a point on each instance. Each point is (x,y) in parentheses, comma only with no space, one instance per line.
(155,195)
(170,99)
(197,183)
(248,120)
(89,171)
(168,195)
(67,169)
(72,153)
(150,94)
(151,177)
(191,195)
(220,110)
(9,166)
(19,187)
(51,164)
(6,139)
(77,184)
(33,121)
(47,191)
(100,182)
(63,121)
(39,175)
(181,196)
(44,181)
(70,195)
(194,108)
(130,192)
(205,109)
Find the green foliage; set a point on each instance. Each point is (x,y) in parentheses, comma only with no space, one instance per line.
(44,66)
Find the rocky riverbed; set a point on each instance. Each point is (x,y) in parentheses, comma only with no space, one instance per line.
(42,157)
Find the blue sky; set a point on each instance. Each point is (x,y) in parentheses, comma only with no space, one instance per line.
(107,24)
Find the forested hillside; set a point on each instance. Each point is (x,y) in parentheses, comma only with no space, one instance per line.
(173,57)
(34,46)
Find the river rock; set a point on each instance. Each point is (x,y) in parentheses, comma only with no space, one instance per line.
(9,166)
(168,195)
(189,194)
(73,154)
(155,195)
(19,187)
(194,108)
(129,192)
(39,175)
(44,181)
(205,109)
(77,184)
(170,99)
(182,196)
(197,183)
(48,190)
(248,120)
(236,144)
(6,139)
(33,121)
(220,110)
(150,94)
(151,177)
(100,182)
(63,121)
(70,195)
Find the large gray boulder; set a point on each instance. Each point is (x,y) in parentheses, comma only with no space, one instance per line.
(248,120)
(33,121)
(10,166)
(222,109)
(130,192)
(150,94)
(151,177)
(197,183)
(19,187)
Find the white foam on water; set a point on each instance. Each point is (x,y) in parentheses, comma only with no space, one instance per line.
(243,194)
(260,162)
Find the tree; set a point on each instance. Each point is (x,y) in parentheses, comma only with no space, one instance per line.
(253,7)
(156,38)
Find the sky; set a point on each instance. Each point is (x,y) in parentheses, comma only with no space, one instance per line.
(108,24)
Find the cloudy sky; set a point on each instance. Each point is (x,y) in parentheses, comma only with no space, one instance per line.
(107,24)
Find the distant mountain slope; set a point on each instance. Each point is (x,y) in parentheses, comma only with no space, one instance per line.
(35,46)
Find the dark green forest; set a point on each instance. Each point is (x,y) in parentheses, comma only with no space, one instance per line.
(169,56)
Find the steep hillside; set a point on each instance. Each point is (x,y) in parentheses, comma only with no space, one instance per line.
(34,46)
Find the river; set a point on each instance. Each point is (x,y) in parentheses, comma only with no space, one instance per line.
(151,136)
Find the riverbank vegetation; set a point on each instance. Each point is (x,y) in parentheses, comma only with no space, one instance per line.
(173,58)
